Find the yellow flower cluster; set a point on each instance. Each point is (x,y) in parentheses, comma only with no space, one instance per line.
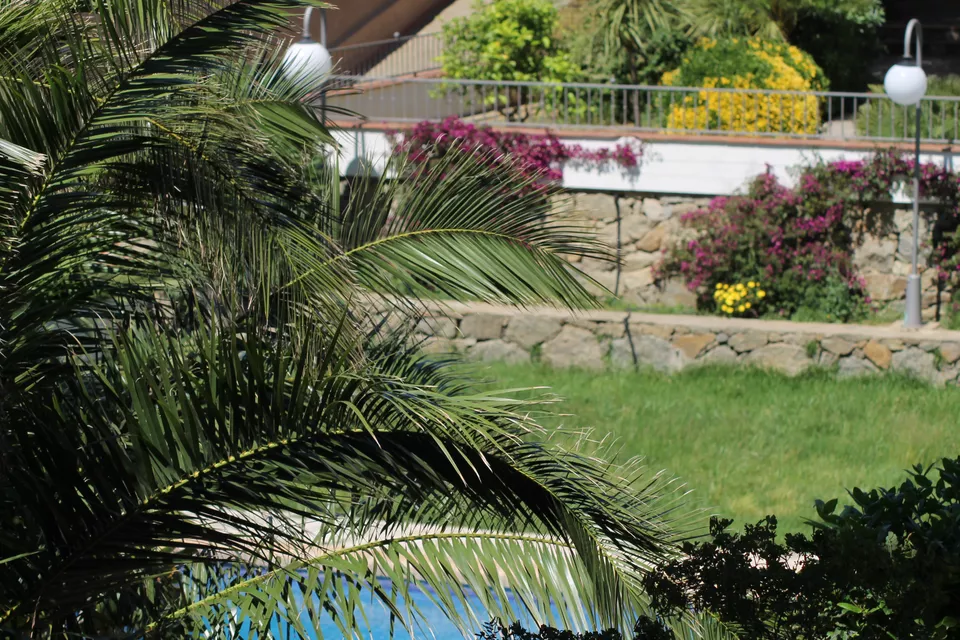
(790,70)
(738,298)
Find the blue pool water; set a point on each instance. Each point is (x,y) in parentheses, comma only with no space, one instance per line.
(435,624)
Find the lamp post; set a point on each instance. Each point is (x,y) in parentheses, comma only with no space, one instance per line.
(905,84)
(309,60)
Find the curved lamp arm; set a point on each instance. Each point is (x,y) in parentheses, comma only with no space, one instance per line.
(912,26)
(323,25)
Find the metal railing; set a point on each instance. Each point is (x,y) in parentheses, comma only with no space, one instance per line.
(402,56)
(627,108)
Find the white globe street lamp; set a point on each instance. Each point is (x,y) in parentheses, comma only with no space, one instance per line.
(905,84)
(308,60)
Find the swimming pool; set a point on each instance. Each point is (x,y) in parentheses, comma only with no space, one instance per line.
(433,623)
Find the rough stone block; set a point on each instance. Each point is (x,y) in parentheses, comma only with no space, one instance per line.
(641,279)
(573,347)
(878,354)
(905,247)
(636,260)
(598,206)
(652,240)
(634,227)
(720,355)
(875,254)
(884,286)
(837,346)
(434,345)
(676,294)
(498,351)
(693,345)
(658,330)
(462,345)
(852,367)
(610,329)
(655,209)
(788,358)
(894,345)
(440,327)
(748,341)
(650,351)
(917,362)
(482,326)
(827,359)
(599,283)
(594,265)
(950,351)
(530,330)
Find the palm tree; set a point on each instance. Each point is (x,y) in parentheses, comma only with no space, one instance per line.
(204,429)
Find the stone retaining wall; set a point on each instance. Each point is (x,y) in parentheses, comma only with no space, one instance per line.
(650,224)
(621,340)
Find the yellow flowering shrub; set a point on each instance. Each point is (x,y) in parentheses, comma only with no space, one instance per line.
(739,299)
(746,63)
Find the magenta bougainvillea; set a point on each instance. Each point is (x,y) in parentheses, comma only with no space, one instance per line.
(799,242)
(538,158)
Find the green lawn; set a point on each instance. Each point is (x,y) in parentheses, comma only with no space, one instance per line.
(751,443)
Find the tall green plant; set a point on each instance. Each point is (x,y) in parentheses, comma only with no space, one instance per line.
(204,428)
(511,40)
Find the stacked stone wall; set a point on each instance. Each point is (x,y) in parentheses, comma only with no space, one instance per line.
(627,341)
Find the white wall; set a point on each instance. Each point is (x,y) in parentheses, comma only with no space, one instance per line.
(694,167)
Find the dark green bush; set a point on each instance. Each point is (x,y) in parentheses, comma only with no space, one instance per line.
(887,566)
(645,629)
(842,37)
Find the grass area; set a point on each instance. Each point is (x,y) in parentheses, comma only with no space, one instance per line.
(882,316)
(751,443)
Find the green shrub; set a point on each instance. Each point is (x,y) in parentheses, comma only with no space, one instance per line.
(659,50)
(939,118)
(887,566)
(512,40)
(842,37)
(516,41)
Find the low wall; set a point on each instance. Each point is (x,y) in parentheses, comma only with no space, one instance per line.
(648,224)
(623,340)
(690,164)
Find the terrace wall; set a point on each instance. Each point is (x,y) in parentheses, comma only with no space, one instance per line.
(623,340)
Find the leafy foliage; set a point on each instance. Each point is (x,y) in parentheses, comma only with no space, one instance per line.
(645,629)
(629,28)
(507,40)
(658,50)
(888,566)
(775,19)
(213,417)
(843,38)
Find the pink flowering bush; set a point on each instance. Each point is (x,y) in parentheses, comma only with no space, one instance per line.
(799,242)
(537,158)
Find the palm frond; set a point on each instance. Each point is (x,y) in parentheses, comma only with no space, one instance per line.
(468,228)
(221,430)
